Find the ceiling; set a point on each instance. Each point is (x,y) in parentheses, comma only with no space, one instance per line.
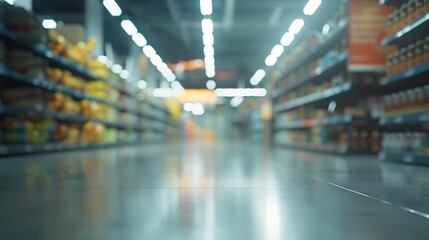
(245,30)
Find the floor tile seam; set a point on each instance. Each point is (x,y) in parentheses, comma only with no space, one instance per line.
(410,210)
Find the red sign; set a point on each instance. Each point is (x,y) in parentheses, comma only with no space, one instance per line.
(367,28)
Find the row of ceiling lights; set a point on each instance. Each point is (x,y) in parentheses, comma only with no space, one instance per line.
(287,39)
(115,10)
(206,8)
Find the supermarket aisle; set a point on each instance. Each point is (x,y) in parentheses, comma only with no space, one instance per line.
(202,191)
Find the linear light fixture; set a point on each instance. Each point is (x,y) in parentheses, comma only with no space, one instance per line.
(270,61)
(296,26)
(129,27)
(241,92)
(49,24)
(112,7)
(236,101)
(206,7)
(207,26)
(208,51)
(277,50)
(139,39)
(287,39)
(311,7)
(257,77)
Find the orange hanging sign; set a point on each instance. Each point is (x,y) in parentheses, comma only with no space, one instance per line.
(367,28)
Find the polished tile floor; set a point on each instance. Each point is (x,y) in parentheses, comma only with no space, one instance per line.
(210,191)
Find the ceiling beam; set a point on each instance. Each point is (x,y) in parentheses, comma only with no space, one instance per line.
(228,20)
(175,15)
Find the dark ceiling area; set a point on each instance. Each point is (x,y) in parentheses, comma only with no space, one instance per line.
(244,30)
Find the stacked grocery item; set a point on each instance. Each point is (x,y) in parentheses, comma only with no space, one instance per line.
(406,142)
(408,101)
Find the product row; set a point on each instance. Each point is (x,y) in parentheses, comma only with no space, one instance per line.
(408,12)
(341,137)
(414,142)
(408,56)
(317,37)
(411,100)
(31,130)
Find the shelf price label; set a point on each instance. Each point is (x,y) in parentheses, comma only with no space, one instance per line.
(397,120)
(409,158)
(424,117)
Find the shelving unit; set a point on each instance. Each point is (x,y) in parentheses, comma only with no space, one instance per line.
(405,122)
(408,158)
(315,99)
(310,123)
(152,119)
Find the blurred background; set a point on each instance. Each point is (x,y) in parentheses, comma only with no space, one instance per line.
(214,119)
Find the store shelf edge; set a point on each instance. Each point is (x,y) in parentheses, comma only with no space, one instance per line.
(342,60)
(408,74)
(344,119)
(7,150)
(319,49)
(405,118)
(48,85)
(409,158)
(41,50)
(314,97)
(405,31)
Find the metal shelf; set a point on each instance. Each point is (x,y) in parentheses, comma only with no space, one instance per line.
(319,50)
(317,75)
(68,118)
(409,158)
(48,85)
(41,50)
(17,149)
(419,26)
(310,123)
(414,73)
(323,148)
(405,118)
(314,97)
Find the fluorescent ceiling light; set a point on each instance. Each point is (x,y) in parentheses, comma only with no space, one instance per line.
(11,2)
(170,77)
(49,24)
(210,73)
(241,92)
(208,51)
(142,84)
(162,67)
(270,61)
(124,74)
(236,101)
(116,68)
(156,60)
(277,50)
(206,7)
(208,39)
(139,39)
(257,77)
(177,88)
(103,59)
(188,107)
(149,51)
(296,26)
(129,27)
(209,61)
(198,109)
(312,7)
(287,39)
(207,25)
(112,7)
(164,93)
(326,29)
(211,84)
